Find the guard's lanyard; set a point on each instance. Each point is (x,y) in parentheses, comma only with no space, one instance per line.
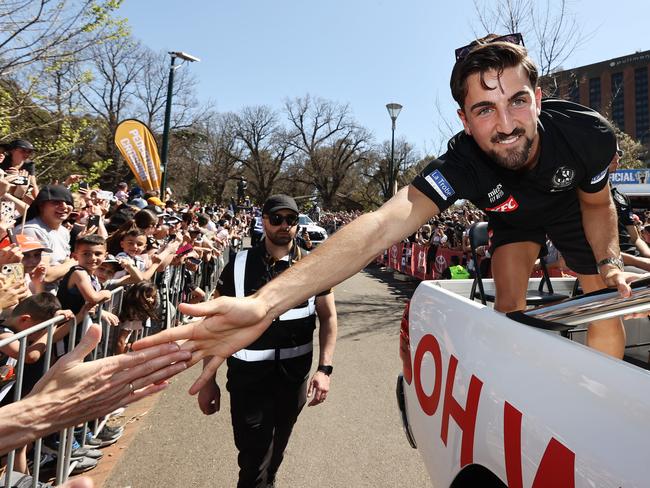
(273,267)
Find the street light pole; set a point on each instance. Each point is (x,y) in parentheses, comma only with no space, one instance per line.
(393,110)
(168,112)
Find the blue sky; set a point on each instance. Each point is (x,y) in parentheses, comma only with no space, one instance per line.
(362,52)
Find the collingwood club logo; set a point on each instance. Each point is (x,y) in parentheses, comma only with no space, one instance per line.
(563,178)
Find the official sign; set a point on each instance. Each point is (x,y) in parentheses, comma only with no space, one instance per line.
(630,177)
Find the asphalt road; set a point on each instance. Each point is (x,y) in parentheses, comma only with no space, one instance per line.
(354,439)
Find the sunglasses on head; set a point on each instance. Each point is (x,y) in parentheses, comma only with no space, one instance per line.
(462,52)
(277,219)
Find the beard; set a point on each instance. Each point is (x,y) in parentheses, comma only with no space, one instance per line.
(280,238)
(513,158)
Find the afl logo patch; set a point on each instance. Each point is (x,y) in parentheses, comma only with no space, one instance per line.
(563,178)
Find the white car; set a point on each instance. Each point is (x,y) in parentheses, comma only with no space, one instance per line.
(316,233)
(491,402)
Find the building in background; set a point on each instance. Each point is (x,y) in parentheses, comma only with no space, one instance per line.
(617,88)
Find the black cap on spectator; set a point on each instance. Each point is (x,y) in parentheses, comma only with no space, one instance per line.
(279,202)
(20,144)
(57,193)
(48,193)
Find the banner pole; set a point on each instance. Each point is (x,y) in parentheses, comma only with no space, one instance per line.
(165,139)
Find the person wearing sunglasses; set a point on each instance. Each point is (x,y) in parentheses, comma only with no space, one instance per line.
(268,380)
(536,168)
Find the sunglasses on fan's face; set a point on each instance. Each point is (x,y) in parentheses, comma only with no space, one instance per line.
(277,219)
(516,38)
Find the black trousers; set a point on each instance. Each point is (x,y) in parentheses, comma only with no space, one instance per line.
(262,421)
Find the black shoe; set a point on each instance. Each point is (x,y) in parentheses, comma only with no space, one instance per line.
(107,439)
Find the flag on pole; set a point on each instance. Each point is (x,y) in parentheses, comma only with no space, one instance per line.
(138,146)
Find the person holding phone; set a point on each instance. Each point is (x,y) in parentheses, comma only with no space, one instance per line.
(20,170)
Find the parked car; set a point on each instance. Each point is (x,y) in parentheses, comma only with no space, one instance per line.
(317,234)
(490,402)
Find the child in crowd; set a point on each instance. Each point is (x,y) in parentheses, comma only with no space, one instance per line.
(80,289)
(80,285)
(111,265)
(31,250)
(134,244)
(139,307)
(33,263)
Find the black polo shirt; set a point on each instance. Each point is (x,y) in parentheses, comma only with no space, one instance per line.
(577,145)
(260,269)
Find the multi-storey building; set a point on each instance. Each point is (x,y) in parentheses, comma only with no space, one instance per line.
(618,88)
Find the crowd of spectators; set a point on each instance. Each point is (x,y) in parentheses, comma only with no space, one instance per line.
(64,247)
(332,221)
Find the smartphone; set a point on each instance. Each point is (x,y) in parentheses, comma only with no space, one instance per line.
(93,220)
(13,273)
(104,195)
(83,184)
(7,211)
(20,180)
(192,260)
(184,249)
(12,237)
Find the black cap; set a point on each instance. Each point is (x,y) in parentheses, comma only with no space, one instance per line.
(20,143)
(49,193)
(57,193)
(279,202)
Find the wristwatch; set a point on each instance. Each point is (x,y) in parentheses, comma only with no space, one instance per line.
(617,261)
(325,369)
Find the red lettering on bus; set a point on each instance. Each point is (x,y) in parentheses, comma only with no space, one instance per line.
(556,468)
(512,445)
(465,418)
(428,403)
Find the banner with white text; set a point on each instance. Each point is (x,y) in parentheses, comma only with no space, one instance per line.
(138,146)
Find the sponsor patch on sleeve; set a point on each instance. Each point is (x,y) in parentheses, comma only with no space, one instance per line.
(599,176)
(440,184)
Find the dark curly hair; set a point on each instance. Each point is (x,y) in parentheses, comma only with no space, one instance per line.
(137,303)
(488,56)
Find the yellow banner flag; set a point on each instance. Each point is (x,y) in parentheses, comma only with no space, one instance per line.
(138,146)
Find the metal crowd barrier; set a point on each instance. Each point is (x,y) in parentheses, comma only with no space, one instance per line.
(173,288)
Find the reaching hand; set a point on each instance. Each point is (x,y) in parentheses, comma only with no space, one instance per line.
(91,389)
(11,254)
(11,293)
(39,273)
(231,324)
(86,232)
(110,318)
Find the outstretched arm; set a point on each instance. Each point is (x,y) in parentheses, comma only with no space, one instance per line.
(74,391)
(233,323)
